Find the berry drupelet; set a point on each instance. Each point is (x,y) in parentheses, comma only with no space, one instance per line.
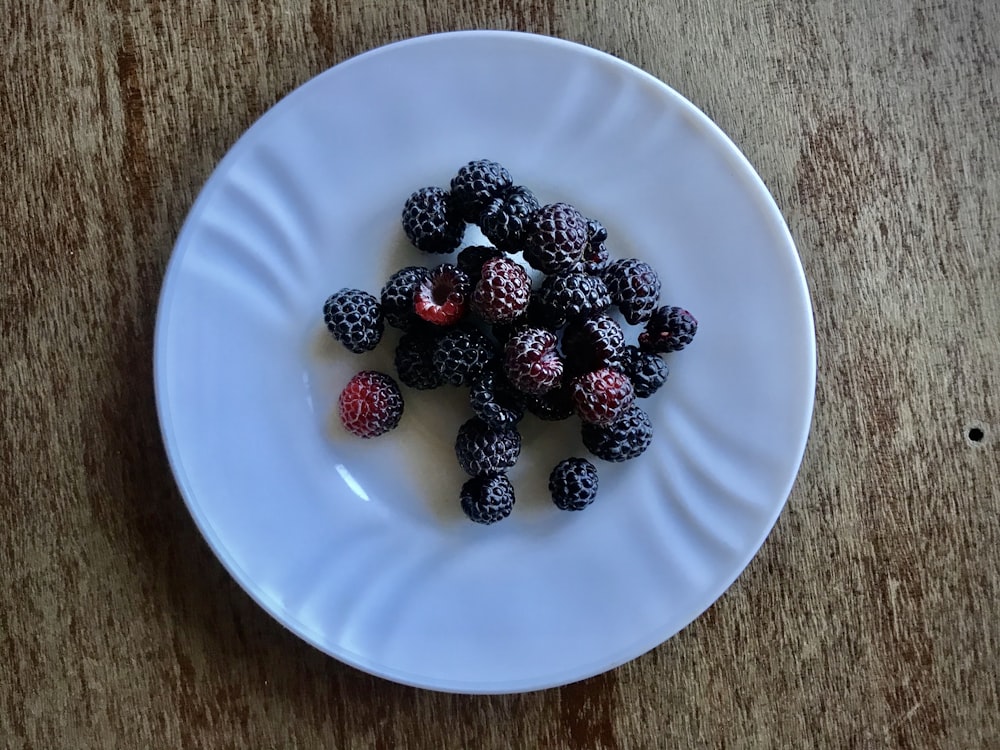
(553,406)
(595,254)
(414,360)
(495,401)
(566,296)
(471,260)
(592,343)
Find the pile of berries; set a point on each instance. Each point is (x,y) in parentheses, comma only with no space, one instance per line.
(554,348)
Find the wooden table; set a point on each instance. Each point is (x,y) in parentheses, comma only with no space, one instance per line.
(870,616)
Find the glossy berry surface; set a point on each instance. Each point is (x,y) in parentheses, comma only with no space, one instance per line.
(494,400)
(531,361)
(443,296)
(431,221)
(504,220)
(398,295)
(624,439)
(634,287)
(414,361)
(573,484)
(567,296)
(354,318)
(552,406)
(602,396)
(370,404)
(471,259)
(461,355)
(555,238)
(502,292)
(475,185)
(592,343)
(647,371)
(669,329)
(487,500)
(483,450)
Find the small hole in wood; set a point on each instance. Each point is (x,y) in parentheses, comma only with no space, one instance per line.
(976,434)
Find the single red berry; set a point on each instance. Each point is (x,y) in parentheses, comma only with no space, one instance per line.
(503,291)
(602,396)
(442,298)
(370,404)
(531,361)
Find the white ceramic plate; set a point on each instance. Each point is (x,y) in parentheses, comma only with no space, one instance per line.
(359,547)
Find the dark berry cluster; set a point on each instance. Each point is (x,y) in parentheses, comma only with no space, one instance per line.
(553,349)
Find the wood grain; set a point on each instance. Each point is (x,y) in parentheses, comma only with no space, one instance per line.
(869,618)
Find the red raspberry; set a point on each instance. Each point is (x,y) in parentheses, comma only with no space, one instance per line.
(370,404)
(531,361)
(602,396)
(442,297)
(503,291)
